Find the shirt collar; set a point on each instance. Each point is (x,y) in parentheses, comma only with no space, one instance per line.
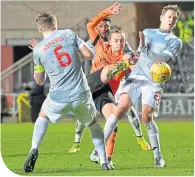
(49,34)
(164,31)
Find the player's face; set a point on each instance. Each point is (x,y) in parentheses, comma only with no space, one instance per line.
(168,20)
(103,29)
(117,42)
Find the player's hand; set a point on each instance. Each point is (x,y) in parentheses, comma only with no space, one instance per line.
(115,8)
(136,55)
(135,58)
(32,44)
(142,39)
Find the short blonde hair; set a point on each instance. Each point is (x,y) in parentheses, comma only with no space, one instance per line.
(45,20)
(116,31)
(174,8)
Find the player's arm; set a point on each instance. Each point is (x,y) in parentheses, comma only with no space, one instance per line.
(173,49)
(86,51)
(88,63)
(127,49)
(169,54)
(91,46)
(40,77)
(83,48)
(91,25)
(39,70)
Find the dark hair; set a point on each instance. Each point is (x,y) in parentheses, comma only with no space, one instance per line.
(107,19)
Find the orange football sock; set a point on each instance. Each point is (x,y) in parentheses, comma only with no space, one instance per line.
(111,144)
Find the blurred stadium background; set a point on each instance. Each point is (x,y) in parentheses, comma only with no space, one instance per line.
(17,62)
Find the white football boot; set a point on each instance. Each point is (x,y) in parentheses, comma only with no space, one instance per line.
(94,156)
(159,163)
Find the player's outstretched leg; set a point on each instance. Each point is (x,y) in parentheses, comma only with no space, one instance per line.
(100,146)
(39,131)
(94,157)
(153,134)
(118,112)
(98,140)
(136,125)
(113,70)
(110,145)
(86,113)
(98,79)
(78,136)
(109,127)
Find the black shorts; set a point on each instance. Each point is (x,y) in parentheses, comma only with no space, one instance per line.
(94,81)
(102,97)
(102,93)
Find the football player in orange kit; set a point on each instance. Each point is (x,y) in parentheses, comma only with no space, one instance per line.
(107,53)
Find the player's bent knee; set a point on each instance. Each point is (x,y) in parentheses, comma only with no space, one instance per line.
(124,99)
(42,114)
(124,104)
(103,75)
(120,110)
(108,109)
(147,117)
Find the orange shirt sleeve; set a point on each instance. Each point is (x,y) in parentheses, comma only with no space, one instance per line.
(91,25)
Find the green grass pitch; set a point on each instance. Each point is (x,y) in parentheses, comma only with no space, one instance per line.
(177,142)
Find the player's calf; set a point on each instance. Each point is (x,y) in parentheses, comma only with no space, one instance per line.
(153,134)
(147,114)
